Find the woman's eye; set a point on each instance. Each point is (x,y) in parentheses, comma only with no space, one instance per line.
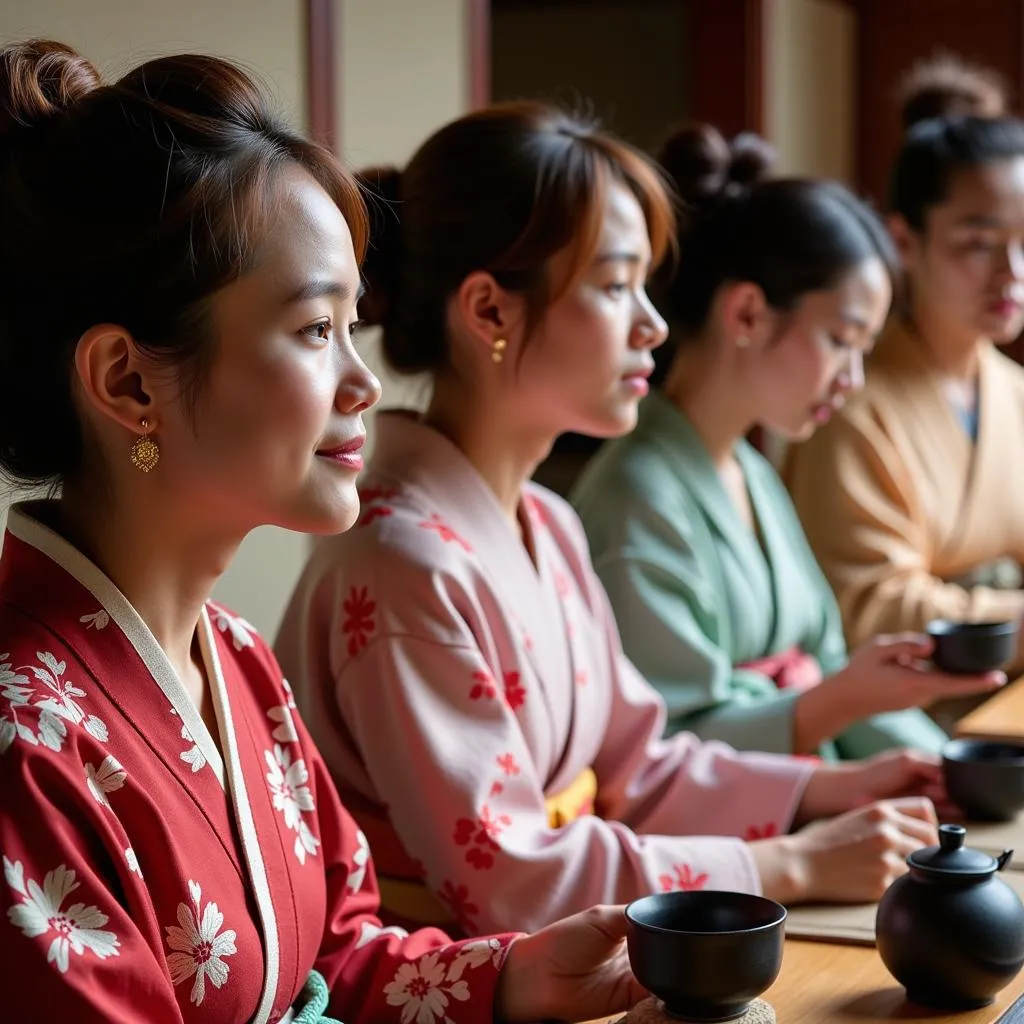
(320,330)
(355,328)
(617,288)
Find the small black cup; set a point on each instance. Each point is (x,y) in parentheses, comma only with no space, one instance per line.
(970,648)
(706,955)
(985,779)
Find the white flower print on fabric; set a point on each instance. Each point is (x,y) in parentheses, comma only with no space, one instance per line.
(97,620)
(63,702)
(371,931)
(282,713)
(291,796)
(132,861)
(198,948)
(103,780)
(425,989)
(193,757)
(76,929)
(240,630)
(53,711)
(359,861)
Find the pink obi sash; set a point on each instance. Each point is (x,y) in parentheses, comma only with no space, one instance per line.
(788,670)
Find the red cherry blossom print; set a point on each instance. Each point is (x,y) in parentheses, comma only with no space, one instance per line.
(761,831)
(561,584)
(483,686)
(463,910)
(375,512)
(491,827)
(515,693)
(418,868)
(536,511)
(368,495)
(359,623)
(507,763)
(581,678)
(684,879)
(497,789)
(464,829)
(482,860)
(445,532)
(528,641)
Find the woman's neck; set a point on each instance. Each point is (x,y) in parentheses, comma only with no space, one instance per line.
(504,454)
(705,389)
(165,571)
(954,352)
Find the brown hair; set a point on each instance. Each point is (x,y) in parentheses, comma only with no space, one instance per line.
(129,203)
(501,190)
(946,86)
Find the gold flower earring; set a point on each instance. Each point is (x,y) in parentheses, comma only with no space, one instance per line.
(145,451)
(498,349)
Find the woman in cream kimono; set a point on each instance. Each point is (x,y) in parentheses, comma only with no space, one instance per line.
(781,287)
(911,497)
(456,653)
(173,849)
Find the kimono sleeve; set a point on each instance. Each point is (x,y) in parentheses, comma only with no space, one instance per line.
(444,749)
(70,949)
(375,974)
(858,508)
(677,784)
(667,608)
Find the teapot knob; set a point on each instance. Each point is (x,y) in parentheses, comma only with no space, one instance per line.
(952,837)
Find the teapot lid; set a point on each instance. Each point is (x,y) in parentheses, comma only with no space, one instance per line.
(951,859)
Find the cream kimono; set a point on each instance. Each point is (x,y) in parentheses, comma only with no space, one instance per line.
(473,706)
(905,514)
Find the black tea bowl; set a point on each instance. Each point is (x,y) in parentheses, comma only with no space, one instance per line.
(985,778)
(970,648)
(706,955)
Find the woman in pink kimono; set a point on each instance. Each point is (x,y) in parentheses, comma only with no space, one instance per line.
(180,280)
(456,654)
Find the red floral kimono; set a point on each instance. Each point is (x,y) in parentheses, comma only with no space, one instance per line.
(149,875)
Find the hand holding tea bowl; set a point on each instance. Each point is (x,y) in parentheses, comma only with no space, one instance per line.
(706,955)
(985,778)
(971,648)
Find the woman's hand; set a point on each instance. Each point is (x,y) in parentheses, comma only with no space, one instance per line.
(575,969)
(851,859)
(889,674)
(836,788)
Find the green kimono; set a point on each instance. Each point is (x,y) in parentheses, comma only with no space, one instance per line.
(697,594)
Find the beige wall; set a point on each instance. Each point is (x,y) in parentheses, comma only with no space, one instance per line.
(402,74)
(810,94)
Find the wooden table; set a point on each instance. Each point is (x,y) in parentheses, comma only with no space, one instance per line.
(1000,718)
(823,983)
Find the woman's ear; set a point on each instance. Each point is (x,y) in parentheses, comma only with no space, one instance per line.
(908,242)
(744,314)
(113,377)
(489,312)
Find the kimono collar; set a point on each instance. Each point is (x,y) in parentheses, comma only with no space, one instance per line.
(425,464)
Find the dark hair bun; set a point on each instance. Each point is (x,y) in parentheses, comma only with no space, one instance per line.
(753,159)
(946,86)
(703,166)
(39,80)
(382,190)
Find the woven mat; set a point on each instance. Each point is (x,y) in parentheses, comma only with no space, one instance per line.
(650,1012)
(855,924)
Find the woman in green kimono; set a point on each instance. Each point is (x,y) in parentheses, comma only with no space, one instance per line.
(779,291)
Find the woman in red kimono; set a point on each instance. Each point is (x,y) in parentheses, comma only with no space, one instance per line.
(179,287)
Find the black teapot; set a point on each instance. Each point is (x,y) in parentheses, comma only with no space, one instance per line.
(950,931)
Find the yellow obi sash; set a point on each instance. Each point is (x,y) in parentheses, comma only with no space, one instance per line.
(413,901)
